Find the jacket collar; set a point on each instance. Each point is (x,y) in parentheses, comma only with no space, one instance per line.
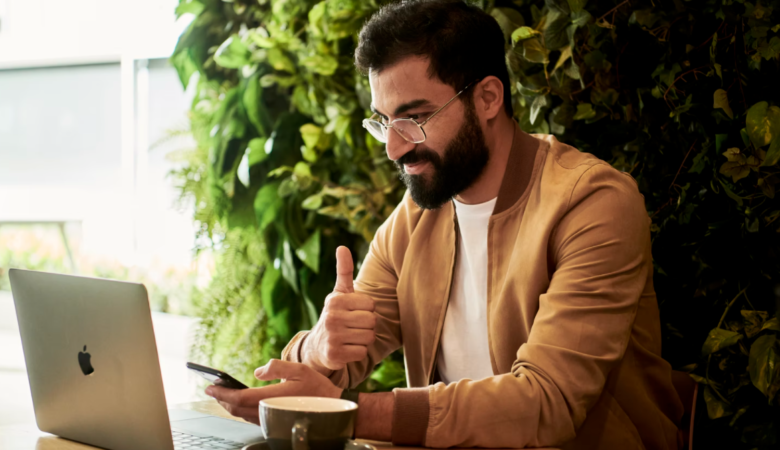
(519,169)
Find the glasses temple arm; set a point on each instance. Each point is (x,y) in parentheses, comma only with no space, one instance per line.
(445,105)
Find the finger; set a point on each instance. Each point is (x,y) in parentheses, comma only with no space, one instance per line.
(365,320)
(223,394)
(246,413)
(357,337)
(236,397)
(293,389)
(277,369)
(350,302)
(351,353)
(344,268)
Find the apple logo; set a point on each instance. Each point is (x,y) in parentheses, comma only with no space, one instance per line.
(86,366)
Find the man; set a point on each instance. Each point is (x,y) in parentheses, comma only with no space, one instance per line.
(516,273)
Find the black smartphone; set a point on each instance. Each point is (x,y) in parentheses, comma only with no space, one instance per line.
(216,377)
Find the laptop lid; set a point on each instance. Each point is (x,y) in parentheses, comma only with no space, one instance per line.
(92,360)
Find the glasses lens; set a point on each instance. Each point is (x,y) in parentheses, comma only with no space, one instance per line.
(409,130)
(376,129)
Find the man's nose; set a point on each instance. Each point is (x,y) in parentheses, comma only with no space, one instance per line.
(397,146)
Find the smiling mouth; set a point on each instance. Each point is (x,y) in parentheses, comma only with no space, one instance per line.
(416,168)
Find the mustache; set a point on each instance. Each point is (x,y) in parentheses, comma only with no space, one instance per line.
(418,156)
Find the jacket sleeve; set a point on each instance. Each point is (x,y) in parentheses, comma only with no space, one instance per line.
(601,249)
(378,279)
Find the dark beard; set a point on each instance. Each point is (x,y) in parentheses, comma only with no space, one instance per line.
(464,160)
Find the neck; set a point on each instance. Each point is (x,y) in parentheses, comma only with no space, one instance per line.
(499,133)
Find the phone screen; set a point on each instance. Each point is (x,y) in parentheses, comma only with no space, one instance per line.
(216,377)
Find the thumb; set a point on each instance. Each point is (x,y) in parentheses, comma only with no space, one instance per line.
(344,268)
(276,370)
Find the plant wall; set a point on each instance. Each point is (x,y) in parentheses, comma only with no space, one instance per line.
(681,94)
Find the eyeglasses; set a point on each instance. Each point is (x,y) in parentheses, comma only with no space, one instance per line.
(409,129)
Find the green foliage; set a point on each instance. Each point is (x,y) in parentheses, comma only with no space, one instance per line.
(681,94)
(283,171)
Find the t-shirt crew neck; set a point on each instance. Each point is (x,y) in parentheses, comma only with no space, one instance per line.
(463,349)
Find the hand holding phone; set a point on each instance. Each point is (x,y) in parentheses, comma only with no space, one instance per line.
(216,377)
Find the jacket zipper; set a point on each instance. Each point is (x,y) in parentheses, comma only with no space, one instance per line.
(443,314)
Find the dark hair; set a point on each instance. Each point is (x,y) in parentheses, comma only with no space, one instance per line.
(462,42)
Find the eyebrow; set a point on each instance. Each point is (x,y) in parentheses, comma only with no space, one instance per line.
(404,107)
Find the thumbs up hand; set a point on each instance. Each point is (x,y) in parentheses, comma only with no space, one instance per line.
(345,329)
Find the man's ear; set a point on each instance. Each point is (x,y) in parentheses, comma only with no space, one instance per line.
(489,97)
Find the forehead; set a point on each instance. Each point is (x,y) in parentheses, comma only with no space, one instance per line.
(406,81)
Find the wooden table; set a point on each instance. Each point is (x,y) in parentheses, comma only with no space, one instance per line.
(29,437)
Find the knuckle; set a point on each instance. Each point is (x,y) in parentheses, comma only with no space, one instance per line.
(372,321)
(330,322)
(336,300)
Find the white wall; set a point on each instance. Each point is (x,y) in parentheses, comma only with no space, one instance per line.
(52,30)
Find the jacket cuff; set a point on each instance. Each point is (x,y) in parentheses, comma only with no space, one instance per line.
(292,352)
(410,416)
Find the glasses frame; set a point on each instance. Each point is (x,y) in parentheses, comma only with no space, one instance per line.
(366,122)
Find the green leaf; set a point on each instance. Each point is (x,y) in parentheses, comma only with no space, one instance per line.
(731,194)
(269,289)
(580,18)
(719,339)
(312,202)
(280,61)
(534,51)
(721,100)
(267,204)
(716,408)
(256,151)
(255,109)
(699,162)
(540,101)
(561,6)
(508,19)
(309,252)
(763,123)
(189,7)
(310,134)
(734,169)
(232,54)
(753,321)
(523,33)
(555,33)
(185,66)
(771,324)
(288,267)
(644,17)
(763,361)
(773,154)
(584,111)
(565,55)
(390,374)
(577,5)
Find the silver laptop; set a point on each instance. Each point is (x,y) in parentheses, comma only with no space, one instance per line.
(94,372)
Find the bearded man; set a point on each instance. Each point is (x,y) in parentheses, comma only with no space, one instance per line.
(516,273)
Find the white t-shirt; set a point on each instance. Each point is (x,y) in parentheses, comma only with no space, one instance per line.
(463,349)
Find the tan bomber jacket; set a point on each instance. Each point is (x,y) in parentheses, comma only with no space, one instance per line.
(574,331)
